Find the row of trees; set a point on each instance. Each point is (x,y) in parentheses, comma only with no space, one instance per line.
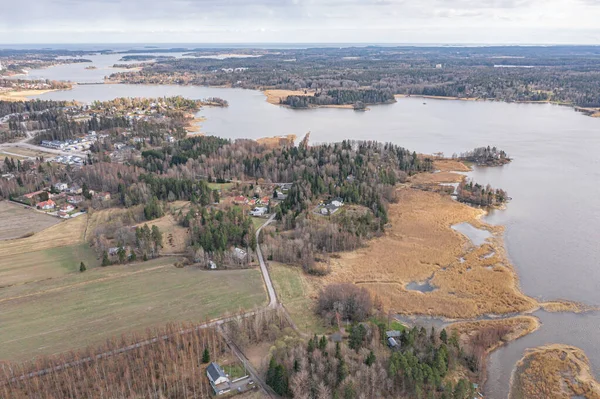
(170,366)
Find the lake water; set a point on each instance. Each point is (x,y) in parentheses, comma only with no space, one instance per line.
(552,223)
(77,73)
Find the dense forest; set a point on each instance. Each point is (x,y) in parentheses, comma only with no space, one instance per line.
(341,97)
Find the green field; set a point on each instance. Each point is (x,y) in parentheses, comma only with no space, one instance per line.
(26,267)
(294,292)
(220,186)
(78,309)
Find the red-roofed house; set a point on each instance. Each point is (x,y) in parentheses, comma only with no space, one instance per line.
(31,195)
(67,208)
(46,204)
(240,199)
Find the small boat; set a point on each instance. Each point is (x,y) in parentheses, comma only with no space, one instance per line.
(424,103)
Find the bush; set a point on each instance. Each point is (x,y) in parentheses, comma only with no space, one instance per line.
(351,302)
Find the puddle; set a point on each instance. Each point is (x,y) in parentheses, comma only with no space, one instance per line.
(461,259)
(421,287)
(477,236)
(487,256)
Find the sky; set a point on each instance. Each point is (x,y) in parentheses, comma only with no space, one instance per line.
(301,21)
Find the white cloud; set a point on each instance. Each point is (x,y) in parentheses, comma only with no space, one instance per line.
(379,21)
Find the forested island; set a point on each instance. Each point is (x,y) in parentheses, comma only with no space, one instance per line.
(485,156)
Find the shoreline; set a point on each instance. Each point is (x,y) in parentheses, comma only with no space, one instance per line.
(24,95)
(592,112)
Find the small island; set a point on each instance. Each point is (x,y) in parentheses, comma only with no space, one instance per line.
(485,156)
(90,67)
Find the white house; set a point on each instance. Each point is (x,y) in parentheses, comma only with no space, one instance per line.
(218,379)
(258,211)
(61,186)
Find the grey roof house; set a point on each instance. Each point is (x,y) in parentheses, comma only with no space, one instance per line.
(218,379)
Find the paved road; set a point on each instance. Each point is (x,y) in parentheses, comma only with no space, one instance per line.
(263,267)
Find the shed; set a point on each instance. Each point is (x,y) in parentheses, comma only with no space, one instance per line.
(393,334)
(392,343)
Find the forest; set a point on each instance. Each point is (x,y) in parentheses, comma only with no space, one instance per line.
(341,97)
(563,74)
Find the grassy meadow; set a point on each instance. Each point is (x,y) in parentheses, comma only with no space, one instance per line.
(298,297)
(78,309)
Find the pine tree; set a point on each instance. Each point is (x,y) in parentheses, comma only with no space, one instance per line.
(370,359)
(82,267)
(105,259)
(205,356)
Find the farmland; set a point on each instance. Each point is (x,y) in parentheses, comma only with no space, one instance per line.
(53,252)
(18,221)
(79,309)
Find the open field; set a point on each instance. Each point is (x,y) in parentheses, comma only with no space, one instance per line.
(277,141)
(76,310)
(422,247)
(175,237)
(554,372)
(29,153)
(298,295)
(18,221)
(50,253)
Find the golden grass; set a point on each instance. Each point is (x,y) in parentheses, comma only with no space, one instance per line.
(21,95)
(274,95)
(450,165)
(519,327)
(277,141)
(554,372)
(175,237)
(421,245)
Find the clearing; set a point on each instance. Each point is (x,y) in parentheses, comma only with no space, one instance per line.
(18,221)
(298,295)
(80,309)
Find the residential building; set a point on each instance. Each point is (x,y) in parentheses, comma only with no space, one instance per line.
(218,379)
(61,186)
(74,199)
(45,205)
(105,196)
(67,208)
(258,211)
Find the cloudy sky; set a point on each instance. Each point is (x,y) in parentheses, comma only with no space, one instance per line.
(300,21)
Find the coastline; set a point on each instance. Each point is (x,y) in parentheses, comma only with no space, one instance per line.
(23,95)
(467,280)
(593,112)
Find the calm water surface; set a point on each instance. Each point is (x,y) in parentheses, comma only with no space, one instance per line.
(552,223)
